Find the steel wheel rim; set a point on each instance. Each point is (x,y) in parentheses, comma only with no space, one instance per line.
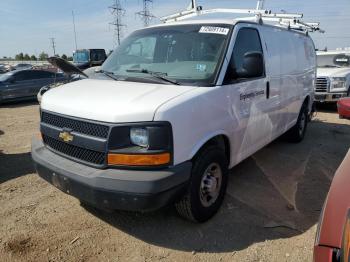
(210,184)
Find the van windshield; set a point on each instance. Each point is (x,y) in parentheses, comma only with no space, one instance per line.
(187,54)
(333,60)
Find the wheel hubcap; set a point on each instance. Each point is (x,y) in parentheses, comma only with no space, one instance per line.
(210,184)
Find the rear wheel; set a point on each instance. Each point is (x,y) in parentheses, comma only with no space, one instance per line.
(207,186)
(297,133)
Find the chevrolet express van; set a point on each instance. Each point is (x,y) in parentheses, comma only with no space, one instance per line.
(172,110)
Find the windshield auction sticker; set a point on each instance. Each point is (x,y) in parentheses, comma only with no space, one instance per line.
(214,30)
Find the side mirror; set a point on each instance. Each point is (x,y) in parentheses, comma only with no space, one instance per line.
(253,65)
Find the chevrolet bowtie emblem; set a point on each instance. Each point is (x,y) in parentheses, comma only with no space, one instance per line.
(66,136)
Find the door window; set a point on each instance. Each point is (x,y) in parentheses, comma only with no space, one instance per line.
(42,74)
(98,55)
(23,76)
(247,41)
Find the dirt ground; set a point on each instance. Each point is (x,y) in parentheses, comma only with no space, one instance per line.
(270,212)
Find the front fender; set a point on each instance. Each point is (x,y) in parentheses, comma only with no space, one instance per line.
(205,139)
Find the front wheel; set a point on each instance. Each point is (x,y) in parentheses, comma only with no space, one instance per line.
(297,133)
(207,186)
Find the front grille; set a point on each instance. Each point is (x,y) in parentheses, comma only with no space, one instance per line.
(321,85)
(90,156)
(87,128)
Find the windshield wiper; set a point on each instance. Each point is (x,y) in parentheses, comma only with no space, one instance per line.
(158,75)
(109,74)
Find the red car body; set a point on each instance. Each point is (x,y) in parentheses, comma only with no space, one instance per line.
(344,107)
(332,239)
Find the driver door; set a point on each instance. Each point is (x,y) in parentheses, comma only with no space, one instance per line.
(249,96)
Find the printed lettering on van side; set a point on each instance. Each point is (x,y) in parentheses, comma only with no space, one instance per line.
(251,95)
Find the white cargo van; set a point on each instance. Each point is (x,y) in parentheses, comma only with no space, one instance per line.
(173,109)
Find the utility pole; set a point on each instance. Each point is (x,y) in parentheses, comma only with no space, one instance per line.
(75,32)
(53,45)
(146,15)
(118,12)
(260,5)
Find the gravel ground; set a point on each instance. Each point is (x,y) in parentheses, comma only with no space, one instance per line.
(270,212)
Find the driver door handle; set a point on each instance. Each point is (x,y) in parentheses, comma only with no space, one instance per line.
(267,90)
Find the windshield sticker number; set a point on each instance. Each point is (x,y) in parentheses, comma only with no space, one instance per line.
(214,30)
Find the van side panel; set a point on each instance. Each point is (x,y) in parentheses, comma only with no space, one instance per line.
(291,68)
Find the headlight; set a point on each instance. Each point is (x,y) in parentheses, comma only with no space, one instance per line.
(148,144)
(139,137)
(338,82)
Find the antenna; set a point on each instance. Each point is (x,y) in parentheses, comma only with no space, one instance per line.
(291,21)
(75,32)
(118,12)
(145,14)
(53,45)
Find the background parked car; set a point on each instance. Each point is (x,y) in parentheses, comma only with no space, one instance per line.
(2,69)
(25,84)
(333,235)
(23,66)
(85,58)
(333,76)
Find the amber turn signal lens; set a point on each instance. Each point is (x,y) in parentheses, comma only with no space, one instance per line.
(139,160)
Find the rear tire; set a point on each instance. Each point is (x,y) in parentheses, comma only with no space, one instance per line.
(207,186)
(297,133)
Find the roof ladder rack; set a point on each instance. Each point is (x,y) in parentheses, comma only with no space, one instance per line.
(291,21)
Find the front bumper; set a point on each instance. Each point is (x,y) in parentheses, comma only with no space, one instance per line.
(137,190)
(329,97)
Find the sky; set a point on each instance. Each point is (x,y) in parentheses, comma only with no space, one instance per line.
(27,25)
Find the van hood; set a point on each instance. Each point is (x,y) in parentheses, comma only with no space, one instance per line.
(333,71)
(109,100)
(65,66)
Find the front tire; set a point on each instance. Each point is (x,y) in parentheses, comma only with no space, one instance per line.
(207,186)
(297,133)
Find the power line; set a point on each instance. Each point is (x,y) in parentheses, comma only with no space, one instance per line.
(53,44)
(146,15)
(118,12)
(75,32)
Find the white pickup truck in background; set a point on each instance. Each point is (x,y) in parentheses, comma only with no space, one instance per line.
(333,75)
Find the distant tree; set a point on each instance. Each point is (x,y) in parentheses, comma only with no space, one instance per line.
(70,58)
(33,58)
(19,56)
(26,57)
(64,57)
(43,56)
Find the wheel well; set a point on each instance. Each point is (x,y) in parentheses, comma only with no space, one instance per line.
(222,141)
(307,101)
